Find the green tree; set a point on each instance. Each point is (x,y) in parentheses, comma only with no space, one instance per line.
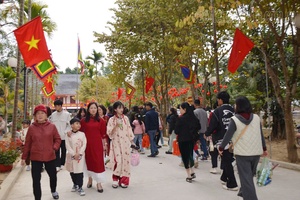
(6,76)
(87,90)
(68,70)
(142,42)
(96,58)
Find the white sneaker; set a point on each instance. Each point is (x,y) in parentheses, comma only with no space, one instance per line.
(223,182)
(230,189)
(181,164)
(27,167)
(74,188)
(81,192)
(57,169)
(213,170)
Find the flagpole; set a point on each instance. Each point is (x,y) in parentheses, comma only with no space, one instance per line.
(77,92)
(143,84)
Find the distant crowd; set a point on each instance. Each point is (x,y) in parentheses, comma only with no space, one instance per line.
(100,137)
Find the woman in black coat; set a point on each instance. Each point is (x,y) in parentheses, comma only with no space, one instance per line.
(186,129)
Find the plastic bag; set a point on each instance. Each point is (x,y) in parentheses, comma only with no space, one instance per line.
(176,150)
(135,158)
(264,172)
(146,141)
(211,145)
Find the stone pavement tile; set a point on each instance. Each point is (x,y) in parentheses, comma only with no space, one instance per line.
(161,178)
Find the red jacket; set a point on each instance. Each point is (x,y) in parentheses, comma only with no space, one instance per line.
(42,140)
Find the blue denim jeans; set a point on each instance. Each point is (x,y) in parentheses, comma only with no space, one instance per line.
(153,146)
(139,137)
(203,144)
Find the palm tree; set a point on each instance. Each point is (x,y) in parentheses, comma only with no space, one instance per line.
(38,9)
(96,58)
(6,75)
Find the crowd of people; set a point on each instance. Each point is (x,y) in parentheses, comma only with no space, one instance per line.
(81,143)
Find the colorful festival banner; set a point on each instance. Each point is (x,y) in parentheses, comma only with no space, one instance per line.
(130,90)
(44,69)
(187,73)
(48,88)
(80,61)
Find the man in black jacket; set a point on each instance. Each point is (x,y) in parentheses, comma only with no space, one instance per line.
(152,127)
(217,128)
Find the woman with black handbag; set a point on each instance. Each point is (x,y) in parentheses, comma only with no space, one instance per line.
(186,129)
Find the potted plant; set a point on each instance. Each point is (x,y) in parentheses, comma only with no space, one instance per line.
(9,152)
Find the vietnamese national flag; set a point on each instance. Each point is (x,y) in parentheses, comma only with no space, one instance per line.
(31,42)
(240,48)
(120,92)
(149,83)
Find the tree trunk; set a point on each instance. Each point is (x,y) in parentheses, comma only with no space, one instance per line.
(290,134)
(16,98)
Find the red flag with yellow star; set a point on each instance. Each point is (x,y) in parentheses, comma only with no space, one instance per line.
(240,48)
(48,88)
(149,82)
(31,42)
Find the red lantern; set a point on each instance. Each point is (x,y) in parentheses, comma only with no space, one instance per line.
(214,83)
(221,86)
(215,91)
(208,93)
(225,86)
(202,91)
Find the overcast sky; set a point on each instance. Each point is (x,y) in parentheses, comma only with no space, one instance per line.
(77,18)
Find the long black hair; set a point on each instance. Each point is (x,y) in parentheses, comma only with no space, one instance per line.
(80,111)
(188,108)
(88,114)
(104,110)
(173,111)
(116,105)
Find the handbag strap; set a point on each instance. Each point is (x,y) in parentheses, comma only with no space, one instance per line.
(243,132)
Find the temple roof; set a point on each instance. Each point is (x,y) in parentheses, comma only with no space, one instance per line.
(67,84)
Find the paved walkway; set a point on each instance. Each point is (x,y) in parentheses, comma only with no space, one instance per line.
(161,178)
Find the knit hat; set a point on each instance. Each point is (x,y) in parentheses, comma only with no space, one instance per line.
(40,107)
(75,119)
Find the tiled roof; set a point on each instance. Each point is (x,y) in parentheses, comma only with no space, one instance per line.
(67,84)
